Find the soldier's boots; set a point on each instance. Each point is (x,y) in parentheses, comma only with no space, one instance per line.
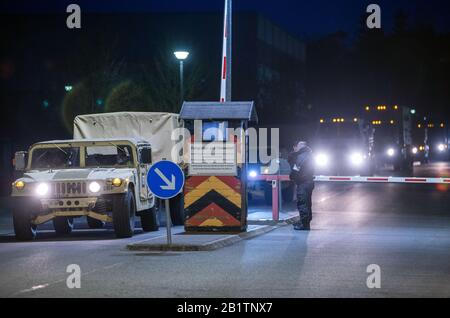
(302,226)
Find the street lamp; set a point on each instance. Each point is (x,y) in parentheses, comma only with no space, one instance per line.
(181,56)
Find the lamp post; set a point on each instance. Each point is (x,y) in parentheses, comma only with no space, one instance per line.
(181,56)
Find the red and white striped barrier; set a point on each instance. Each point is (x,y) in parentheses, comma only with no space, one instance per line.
(276,179)
(383,179)
(360,179)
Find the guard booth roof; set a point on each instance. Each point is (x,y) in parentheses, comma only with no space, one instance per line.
(219,111)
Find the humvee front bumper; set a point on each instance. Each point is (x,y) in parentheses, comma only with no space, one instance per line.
(45,209)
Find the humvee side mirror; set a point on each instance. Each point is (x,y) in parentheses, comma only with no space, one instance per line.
(146,156)
(20,160)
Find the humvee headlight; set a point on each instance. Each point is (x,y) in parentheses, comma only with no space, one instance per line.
(19,185)
(117,182)
(42,189)
(94,187)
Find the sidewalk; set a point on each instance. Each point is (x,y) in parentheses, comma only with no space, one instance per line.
(265,218)
(198,242)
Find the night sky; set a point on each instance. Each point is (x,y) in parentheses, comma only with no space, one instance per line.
(342,70)
(306,18)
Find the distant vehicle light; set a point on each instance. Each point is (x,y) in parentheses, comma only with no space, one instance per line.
(42,189)
(94,187)
(441,147)
(252,174)
(391,152)
(415,150)
(357,158)
(322,160)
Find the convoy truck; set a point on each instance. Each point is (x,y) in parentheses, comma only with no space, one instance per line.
(100,174)
(390,137)
(341,147)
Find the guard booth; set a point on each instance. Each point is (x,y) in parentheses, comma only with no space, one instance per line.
(216,156)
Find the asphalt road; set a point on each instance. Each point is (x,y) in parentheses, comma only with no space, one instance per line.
(405,229)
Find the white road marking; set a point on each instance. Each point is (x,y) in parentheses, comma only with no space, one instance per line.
(42,286)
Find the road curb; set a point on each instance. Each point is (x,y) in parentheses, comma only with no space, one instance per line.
(227,240)
(286,221)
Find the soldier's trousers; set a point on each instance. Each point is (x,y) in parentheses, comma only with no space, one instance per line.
(304,200)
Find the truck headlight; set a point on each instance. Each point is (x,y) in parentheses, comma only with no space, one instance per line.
(117,182)
(391,152)
(356,158)
(441,147)
(322,160)
(19,185)
(94,187)
(415,150)
(42,189)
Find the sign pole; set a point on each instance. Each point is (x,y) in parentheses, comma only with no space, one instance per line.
(165,180)
(168,224)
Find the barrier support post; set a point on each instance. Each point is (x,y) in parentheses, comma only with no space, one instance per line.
(275,200)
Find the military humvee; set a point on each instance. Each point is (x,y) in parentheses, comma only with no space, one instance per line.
(102,179)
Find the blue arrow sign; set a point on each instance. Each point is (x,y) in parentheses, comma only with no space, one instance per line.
(165,179)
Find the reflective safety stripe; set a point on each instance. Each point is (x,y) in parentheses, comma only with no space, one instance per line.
(213,202)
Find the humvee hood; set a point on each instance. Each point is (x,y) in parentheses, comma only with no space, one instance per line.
(78,174)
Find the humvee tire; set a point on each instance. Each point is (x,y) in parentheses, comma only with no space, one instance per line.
(94,223)
(149,220)
(123,214)
(177,209)
(63,225)
(23,228)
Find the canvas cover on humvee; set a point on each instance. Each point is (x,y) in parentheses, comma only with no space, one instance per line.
(156,128)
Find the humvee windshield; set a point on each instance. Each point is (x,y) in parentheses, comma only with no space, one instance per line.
(109,156)
(55,158)
(63,157)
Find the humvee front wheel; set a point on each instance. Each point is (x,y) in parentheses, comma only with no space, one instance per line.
(149,220)
(63,225)
(23,228)
(123,213)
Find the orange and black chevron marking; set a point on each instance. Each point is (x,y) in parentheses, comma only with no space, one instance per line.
(213,202)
